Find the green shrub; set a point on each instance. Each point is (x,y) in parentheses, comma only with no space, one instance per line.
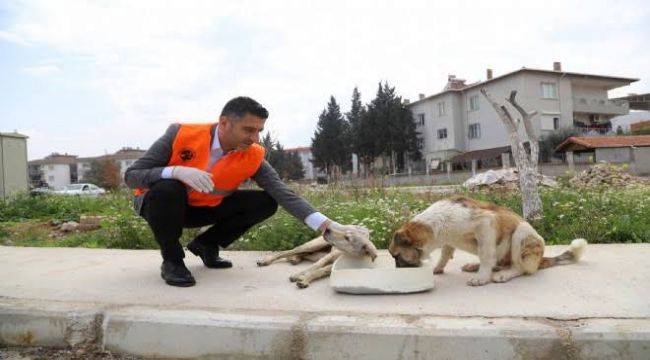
(59,207)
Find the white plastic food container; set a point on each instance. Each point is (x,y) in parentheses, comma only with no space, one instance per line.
(354,275)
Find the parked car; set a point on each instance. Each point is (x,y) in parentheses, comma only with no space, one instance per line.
(81,189)
(41,190)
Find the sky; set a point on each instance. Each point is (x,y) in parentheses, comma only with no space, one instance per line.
(90,77)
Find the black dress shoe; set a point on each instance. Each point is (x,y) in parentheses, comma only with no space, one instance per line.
(176,274)
(209,255)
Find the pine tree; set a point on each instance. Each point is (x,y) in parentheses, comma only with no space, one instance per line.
(286,164)
(389,128)
(294,169)
(330,145)
(354,119)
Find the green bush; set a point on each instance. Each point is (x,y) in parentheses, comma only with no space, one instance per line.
(25,206)
(605,215)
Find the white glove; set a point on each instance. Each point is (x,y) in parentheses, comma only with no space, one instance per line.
(198,180)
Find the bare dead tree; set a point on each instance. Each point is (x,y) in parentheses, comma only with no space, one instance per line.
(526,159)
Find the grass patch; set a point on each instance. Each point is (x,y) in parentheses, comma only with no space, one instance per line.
(606,215)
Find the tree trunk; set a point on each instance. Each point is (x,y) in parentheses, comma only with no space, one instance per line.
(525,161)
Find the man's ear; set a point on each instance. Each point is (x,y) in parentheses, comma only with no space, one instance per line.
(223,121)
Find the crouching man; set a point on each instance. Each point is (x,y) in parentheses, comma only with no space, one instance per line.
(190,178)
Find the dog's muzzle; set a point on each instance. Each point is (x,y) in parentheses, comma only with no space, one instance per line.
(400,263)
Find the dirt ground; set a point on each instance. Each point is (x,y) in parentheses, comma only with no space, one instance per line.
(40,353)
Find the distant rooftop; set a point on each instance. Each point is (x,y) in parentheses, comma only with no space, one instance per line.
(13,134)
(458,85)
(125,153)
(596,142)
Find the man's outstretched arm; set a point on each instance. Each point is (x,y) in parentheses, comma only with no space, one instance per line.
(267,178)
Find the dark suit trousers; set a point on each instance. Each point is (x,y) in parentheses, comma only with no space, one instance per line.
(167,212)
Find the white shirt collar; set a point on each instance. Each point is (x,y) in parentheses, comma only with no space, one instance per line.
(216,145)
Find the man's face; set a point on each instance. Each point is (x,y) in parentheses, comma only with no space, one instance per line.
(242,133)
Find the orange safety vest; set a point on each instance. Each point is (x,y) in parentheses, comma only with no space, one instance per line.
(192,146)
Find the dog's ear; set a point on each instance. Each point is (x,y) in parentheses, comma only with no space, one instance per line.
(401,239)
(416,234)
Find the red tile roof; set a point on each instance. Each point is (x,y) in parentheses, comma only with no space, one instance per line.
(481,154)
(594,142)
(640,125)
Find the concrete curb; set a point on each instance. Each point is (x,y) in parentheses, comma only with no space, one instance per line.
(178,333)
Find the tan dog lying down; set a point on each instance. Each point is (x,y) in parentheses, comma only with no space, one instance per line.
(351,239)
(507,246)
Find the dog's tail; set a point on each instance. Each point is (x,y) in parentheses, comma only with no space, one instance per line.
(576,249)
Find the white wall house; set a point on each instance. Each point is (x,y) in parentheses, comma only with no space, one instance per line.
(55,170)
(459,120)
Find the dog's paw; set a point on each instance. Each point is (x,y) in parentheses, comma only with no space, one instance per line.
(294,277)
(471,267)
(264,262)
(438,270)
(478,281)
(500,278)
(302,283)
(294,260)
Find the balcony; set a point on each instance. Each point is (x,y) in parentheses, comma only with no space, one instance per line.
(600,106)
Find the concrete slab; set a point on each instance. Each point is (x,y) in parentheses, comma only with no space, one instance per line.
(354,275)
(612,281)
(62,296)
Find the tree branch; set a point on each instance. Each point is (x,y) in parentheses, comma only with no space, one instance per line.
(501,111)
(525,115)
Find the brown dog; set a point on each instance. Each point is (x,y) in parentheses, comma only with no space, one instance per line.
(507,246)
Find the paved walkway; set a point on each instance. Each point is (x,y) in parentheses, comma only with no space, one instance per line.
(118,298)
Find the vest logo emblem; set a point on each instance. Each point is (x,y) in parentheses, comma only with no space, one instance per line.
(187,154)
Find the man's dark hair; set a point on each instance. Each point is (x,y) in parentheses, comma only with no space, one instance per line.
(240,106)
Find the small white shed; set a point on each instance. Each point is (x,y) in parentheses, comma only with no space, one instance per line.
(13,164)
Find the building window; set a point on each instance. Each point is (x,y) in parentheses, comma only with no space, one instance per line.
(420,143)
(473,103)
(441,108)
(550,122)
(420,121)
(549,91)
(474,131)
(442,133)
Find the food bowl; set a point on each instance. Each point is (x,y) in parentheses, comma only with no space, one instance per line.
(354,275)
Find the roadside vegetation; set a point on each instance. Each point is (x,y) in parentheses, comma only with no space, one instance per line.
(601,215)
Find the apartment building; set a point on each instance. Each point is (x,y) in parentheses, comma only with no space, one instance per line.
(459,125)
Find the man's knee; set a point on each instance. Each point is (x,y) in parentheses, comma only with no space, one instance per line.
(268,203)
(167,190)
